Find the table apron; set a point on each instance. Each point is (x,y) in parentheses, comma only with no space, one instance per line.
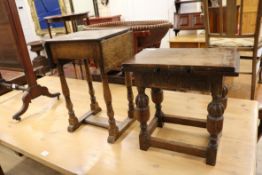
(177,81)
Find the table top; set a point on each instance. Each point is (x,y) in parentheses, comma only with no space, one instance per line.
(89,35)
(42,134)
(215,60)
(188,39)
(54,17)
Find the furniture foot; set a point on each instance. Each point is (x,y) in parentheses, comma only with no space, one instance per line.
(1,171)
(46,92)
(157,98)
(142,114)
(26,100)
(214,123)
(259,132)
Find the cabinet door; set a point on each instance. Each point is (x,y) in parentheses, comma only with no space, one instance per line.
(184,21)
(197,21)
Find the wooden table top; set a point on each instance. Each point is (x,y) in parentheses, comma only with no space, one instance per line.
(64,16)
(89,35)
(215,60)
(42,135)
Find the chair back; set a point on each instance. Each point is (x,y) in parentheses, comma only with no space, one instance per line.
(225,19)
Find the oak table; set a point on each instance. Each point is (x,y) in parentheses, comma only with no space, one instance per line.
(73,17)
(182,69)
(108,48)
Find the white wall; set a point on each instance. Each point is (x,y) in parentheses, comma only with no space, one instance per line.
(149,10)
(84,6)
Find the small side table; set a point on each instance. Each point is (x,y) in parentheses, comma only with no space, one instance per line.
(182,69)
(109,48)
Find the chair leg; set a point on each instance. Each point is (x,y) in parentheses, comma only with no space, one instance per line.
(259,130)
(253,78)
(260,71)
(1,171)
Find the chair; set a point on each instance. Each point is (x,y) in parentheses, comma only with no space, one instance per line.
(229,15)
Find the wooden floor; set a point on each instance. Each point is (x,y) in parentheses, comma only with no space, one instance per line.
(15,165)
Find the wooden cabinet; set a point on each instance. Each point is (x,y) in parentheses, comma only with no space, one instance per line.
(187,21)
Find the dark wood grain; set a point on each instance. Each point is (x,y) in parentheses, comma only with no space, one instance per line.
(179,69)
(106,48)
(211,60)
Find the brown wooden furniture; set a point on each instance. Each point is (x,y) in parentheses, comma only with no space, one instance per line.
(96,20)
(259,130)
(187,41)
(1,171)
(146,33)
(73,18)
(106,47)
(229,36)
(89,153)
(187,21)
(14,55)
(179,69)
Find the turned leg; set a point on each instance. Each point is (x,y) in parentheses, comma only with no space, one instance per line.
(214,123)
(113,129)
(74,65)
(94,105)
(81,69)
(130,96)
(157,98)
(142,114)
(1,171)
(73,121)
(224,96)
(26,100)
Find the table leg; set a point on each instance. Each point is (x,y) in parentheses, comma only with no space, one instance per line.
(49,29)
(142,114)
(130,96)
(73,121)
(66,30)
(157,98)
(1,171)
(113,129)
(215,120)
(224,96)
(94,105)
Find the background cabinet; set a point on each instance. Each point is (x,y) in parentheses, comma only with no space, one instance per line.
(187,21)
